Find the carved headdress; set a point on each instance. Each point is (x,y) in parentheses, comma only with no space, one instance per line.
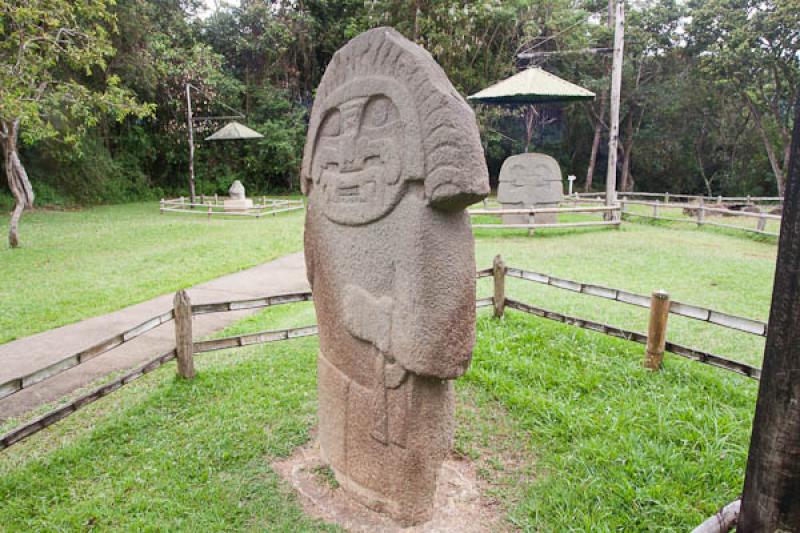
(385,114)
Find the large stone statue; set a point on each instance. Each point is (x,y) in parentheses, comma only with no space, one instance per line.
(392,159)
(530,180)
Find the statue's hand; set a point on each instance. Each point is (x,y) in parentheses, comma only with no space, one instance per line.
(368,318)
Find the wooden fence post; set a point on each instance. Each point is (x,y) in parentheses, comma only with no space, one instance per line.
(657,330)
(183,334)
(216,199)
(762,221)
(655,208)
(719,200)
(701,213)
(666,198)
(499,273)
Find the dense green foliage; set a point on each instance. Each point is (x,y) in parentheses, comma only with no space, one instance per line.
(706,91)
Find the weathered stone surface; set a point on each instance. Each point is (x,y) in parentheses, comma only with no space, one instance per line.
(237,201)
(530,180)
(236,191)
(392,159)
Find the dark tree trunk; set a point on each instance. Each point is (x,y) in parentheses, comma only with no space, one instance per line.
(627,149)
(780,179)
(598,130)
(18,180)
(771,498)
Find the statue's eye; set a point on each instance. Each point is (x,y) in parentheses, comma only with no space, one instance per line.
(377,112)
(332,124)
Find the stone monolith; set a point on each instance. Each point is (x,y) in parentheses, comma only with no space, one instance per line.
(530,180)
(237,201)
(392,158)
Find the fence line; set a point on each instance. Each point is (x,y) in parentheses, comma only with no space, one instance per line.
(34,426)
(641,338)
(719,199)
(252,303)
(50,418)
(746,325)
(253,338)
(269,206)
(499,271)
(18,383)
(38,424)
(536,210)
(700,219)
(611,212)
(545,226)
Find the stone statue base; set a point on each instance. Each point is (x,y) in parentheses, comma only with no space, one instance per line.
(237,205)
(457,503)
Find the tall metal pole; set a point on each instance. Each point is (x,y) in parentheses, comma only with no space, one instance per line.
(191,140)
(616,86)
(771,498)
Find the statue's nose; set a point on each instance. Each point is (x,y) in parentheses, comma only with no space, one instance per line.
(350,162)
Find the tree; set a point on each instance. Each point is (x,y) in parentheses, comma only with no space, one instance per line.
(50,54)
(751,47)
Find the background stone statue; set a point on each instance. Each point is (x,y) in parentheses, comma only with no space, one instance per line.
(392,158)
(530,180)
(237,201)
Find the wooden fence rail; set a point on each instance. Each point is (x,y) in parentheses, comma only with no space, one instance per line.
(184,310)
(690,353)
(612,214)
(268,206)
(18,383)
(700,218)
(746,325)
(34,426)
(38,424)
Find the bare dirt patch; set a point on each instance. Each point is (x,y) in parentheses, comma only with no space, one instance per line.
(459,506)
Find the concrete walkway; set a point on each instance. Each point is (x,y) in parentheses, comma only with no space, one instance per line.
(22,356)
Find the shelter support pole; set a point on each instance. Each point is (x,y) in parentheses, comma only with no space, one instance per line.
(770,500)
(616,87)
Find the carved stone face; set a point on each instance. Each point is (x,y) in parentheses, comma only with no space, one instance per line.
(530,179)
(358,164)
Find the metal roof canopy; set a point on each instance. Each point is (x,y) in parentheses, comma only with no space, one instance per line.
(234,131)
(531,86)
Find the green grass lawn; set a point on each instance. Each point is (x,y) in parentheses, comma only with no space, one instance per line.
(77,264)
(567,429)
(569,432)
(745,222)
(728,273)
